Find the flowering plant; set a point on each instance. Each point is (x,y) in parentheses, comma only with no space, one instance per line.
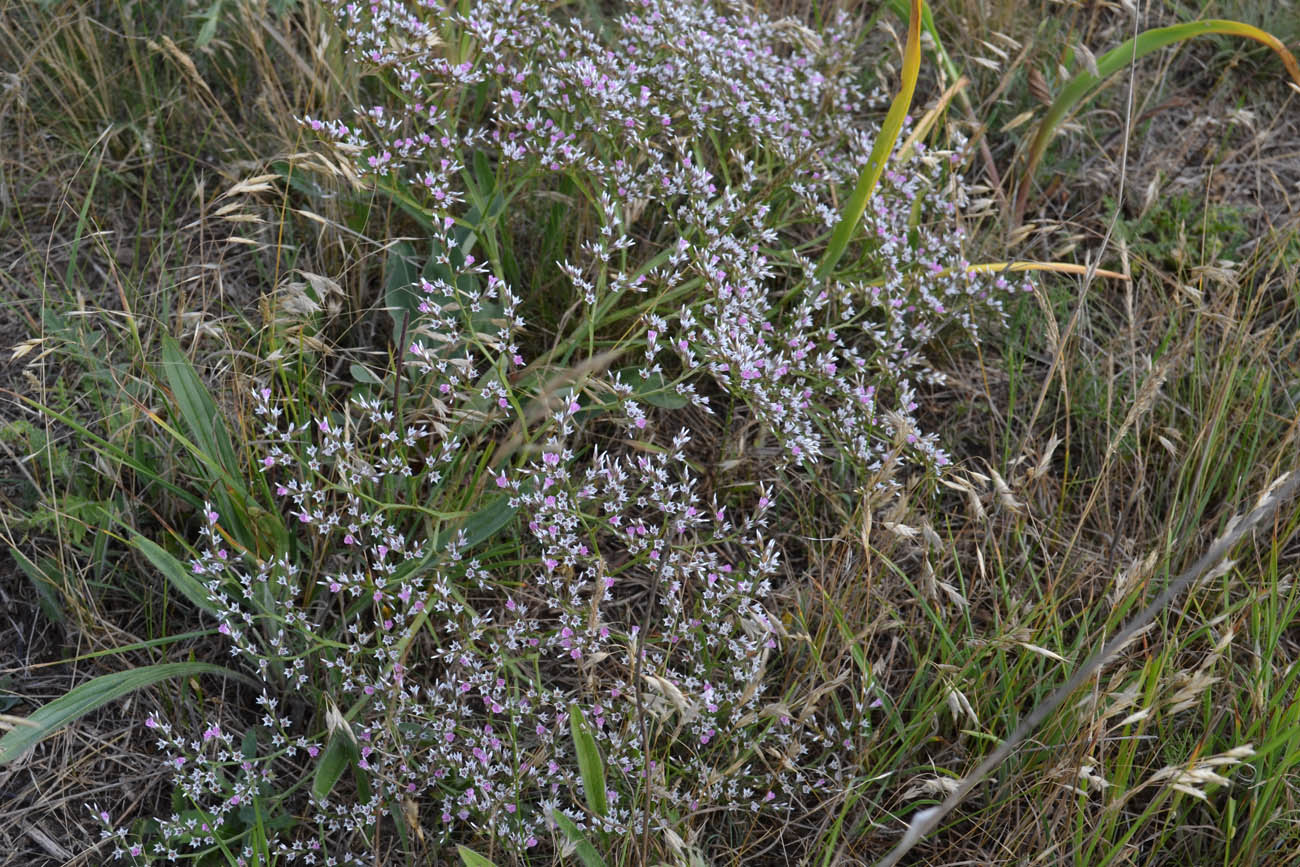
(516,606)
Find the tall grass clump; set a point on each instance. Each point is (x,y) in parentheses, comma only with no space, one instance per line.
(498,592)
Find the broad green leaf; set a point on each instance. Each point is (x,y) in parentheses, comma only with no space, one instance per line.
(885,139)
(470,858)
(590,765)
(587,853)
(208,31)
(401,294)
(338,755)
(1086,82)
(176,573)
(94,694)
(365,375)
(484,523)
(404,200)
(483,170)
(653,389)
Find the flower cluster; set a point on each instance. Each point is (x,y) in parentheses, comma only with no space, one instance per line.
(478,559)
(459,679)
(733,131)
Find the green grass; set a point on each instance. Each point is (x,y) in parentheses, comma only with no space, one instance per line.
(1171,400)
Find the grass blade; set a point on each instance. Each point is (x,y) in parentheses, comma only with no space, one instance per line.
(875,167)
(587,853)
(1085,82)
(211,442)
(47,589)
(176,573)
(111,452)
(94,694)
(338,755)
(590,765)
(470,858)
(199,411)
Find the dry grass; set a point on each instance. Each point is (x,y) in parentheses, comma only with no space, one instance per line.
(1130,422)
(120,151)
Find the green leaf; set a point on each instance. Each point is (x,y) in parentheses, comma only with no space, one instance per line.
(484,523)
(43,584)
(94,694)
(299,181)
(423,216)
(341,752)
(176,573)
(209,440)
(199,412)
(338,755)
(483,170)
(885,139)
(365,375)
(470,858)
(401,295)
(587,853)
(590,765)
(478,218)
(653,389)
(209,29)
